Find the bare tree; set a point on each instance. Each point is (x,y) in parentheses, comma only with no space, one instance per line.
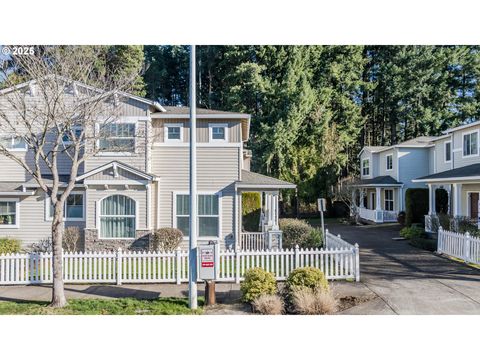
(61,114)
(343,191)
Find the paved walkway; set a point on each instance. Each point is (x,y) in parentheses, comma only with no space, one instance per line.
(408,280)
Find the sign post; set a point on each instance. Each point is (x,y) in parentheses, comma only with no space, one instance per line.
(322,206)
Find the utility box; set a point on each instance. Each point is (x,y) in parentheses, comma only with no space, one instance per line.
(207,261)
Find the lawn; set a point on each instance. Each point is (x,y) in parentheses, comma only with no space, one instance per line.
(126,306)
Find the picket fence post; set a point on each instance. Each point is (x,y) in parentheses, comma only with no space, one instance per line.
(119,266)
(179,265)
(466,250)
(297,256)
(237,265)
(440,240)
(357,263)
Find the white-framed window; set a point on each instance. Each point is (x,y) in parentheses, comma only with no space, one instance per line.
(389,199)
(470,143)
(389,160)
(74,209)
(13,143)
(173,132)
(218,132)
(67,138)
(448,151)
(366,167)
(9,213)
(117,137)
(208,216)
(117,217)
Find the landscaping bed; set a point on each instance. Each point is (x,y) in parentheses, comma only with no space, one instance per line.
(125,306)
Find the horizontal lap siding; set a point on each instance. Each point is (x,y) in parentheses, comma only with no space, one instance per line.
(457,144)
(217,170)
(440,164)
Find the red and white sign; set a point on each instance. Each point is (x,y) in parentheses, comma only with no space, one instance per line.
(206,258)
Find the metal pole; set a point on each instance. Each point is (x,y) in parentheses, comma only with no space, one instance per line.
(192,257)
(323,224)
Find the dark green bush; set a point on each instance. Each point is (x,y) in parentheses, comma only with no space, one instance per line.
(299,232)
(441,201)
(416,206)
(258,282)
(9,246)
(306,277)
(412,232)
(251,209)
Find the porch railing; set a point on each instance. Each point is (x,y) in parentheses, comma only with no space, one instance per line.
(389,216)
(378,216)
(253,241)
(367,214)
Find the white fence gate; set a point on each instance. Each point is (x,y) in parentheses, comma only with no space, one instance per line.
(340,260)
(461,246)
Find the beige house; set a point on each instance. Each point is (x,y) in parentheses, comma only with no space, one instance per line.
(121,197)
(457,171)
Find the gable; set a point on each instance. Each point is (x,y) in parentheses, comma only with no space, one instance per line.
(116,173)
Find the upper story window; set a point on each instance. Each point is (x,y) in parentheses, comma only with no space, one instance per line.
(173,132)
(389,162)
(470,144)
(13,143)
(118,137)
(448,151)
(67,137)
(366,167)
(218,132)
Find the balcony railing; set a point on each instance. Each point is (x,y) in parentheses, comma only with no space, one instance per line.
(378,216)
(267,240)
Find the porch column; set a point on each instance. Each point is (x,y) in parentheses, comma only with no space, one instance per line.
(457,199)
(275,210)
(431,199)
(449,202)
(400,199)
(378,198)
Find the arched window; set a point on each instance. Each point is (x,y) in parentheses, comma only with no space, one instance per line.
(117,217)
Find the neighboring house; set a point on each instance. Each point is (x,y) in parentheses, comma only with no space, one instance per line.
(386,172)
(456,171)
(121,197)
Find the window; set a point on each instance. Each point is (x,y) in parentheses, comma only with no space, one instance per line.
(13,143)
(73,210)
(389,200)
(366,167)
(448,151)
(9,213)
(173,133)
(117,137)
(77,130)
(117,217)
(218,132)
(470,144)
(389,162)
(208,214)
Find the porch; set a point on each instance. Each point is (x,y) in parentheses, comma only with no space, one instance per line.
(378,200)
(265,235)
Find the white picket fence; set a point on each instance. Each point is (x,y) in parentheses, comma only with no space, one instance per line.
(339,262)
(461,246)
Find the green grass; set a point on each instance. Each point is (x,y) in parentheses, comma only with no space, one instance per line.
(126,306)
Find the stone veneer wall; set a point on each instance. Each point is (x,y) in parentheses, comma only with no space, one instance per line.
(93,243)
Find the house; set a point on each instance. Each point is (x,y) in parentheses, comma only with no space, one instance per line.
(456,172)
(122,196)
(386,172)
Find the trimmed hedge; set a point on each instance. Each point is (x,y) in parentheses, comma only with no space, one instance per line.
(258,282)
(306,277)
(251,208)
(9,246)
(416,206)
(299,232)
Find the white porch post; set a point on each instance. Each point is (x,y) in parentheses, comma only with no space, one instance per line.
(378,198)
(400,199)
(431,199)
(457,199)
(449,202)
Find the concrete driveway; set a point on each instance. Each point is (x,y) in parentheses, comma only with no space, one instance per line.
(408,280)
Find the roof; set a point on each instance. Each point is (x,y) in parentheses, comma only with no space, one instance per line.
(48,179)
(379,180)
(117,164)
(420,141)
(460,127)
(254,180)
(200,111)
(471,172)
(12,188)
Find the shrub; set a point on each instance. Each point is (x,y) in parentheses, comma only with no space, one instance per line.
(258,282)
(299,232)
(268,305)
(166,239)
(416,206)
(71,238)
(9,246)
(251,208)
(306,277)
(307,301)
(411,232)
(444,221)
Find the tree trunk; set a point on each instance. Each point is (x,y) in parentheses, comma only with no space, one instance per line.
(58,294)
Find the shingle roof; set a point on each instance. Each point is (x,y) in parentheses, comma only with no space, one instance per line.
(250,179)
(379,180)
(186,110)
(421,140)
(48,178)
(462,172)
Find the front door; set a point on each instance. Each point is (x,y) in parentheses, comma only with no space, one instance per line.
(473,205)
(373,201)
